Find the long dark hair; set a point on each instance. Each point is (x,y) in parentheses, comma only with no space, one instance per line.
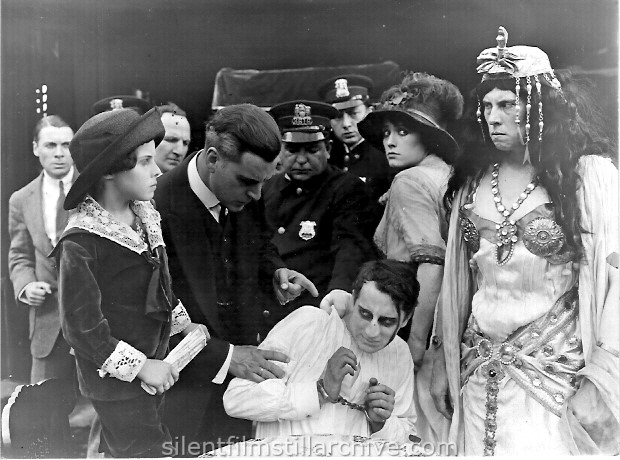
(572,128)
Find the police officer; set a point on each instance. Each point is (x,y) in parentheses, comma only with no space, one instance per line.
(319,213)
(349,94)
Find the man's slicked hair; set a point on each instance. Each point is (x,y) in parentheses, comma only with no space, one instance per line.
(394,278)
(241,128)
(49,120)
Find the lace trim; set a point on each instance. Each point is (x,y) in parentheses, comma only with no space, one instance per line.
(90,216)
(180,319)
(124,363)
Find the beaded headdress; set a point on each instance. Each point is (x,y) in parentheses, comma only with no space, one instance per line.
(518,62)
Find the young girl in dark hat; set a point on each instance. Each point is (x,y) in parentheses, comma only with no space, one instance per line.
(117,307)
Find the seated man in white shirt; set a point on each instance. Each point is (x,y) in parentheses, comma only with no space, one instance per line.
(346,376)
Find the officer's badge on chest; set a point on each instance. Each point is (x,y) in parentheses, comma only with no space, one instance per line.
(307,232)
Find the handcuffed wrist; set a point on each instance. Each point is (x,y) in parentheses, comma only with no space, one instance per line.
(320,386)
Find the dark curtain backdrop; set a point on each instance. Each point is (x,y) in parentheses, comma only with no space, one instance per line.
(85,50)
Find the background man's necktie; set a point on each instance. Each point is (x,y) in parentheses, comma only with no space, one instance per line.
(223,215)
(61,214)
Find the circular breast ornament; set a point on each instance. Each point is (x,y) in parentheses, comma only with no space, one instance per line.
(543,237)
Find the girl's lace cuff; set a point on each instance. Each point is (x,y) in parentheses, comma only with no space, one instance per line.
(180,319)
(124,363)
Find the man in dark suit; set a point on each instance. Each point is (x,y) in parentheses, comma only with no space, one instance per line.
(318,214)
(223,266)
(36,220)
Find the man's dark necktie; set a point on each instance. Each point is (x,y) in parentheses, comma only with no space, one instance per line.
(223,215)
(61,214)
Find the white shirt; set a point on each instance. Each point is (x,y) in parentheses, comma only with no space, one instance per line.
(51,190)
(208,198)
(290,406)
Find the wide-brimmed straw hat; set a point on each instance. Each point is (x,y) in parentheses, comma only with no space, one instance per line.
(106,139)
(402,108)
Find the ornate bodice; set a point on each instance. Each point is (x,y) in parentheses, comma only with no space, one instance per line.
(518,292)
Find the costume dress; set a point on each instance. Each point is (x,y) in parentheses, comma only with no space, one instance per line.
(535,330)
(290,406)
(414,228)
(116,308)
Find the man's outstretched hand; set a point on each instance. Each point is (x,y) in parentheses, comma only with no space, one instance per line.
(253,364)
(289,284)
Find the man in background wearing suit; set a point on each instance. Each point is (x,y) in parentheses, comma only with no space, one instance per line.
(36,220)
(223,267)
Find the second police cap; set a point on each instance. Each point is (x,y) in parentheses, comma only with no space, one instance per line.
(121,102)
(346,91)
(303,121)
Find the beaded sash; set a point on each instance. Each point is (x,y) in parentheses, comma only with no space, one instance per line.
(542,357)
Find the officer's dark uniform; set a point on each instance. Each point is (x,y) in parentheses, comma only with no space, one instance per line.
(362,160)
(365,162)
(319,224)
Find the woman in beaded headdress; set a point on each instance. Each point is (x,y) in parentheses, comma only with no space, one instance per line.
(409,125)
(527,318)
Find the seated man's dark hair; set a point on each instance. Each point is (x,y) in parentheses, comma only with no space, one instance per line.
(241,128)
(394,278)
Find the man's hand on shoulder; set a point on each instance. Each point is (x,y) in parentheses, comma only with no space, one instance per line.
(289,284)
(341,300)
(254,364)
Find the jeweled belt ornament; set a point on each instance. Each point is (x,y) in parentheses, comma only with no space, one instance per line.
(542,357)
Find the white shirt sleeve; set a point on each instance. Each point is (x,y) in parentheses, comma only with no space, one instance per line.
(271,400)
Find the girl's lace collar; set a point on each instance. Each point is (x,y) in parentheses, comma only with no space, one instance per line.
(91,217)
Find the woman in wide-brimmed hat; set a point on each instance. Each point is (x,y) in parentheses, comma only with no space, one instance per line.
(116,303)
(409,124)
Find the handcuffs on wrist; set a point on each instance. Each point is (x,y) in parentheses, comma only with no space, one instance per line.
(320,386)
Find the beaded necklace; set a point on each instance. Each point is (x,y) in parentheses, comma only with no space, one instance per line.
(507,230)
